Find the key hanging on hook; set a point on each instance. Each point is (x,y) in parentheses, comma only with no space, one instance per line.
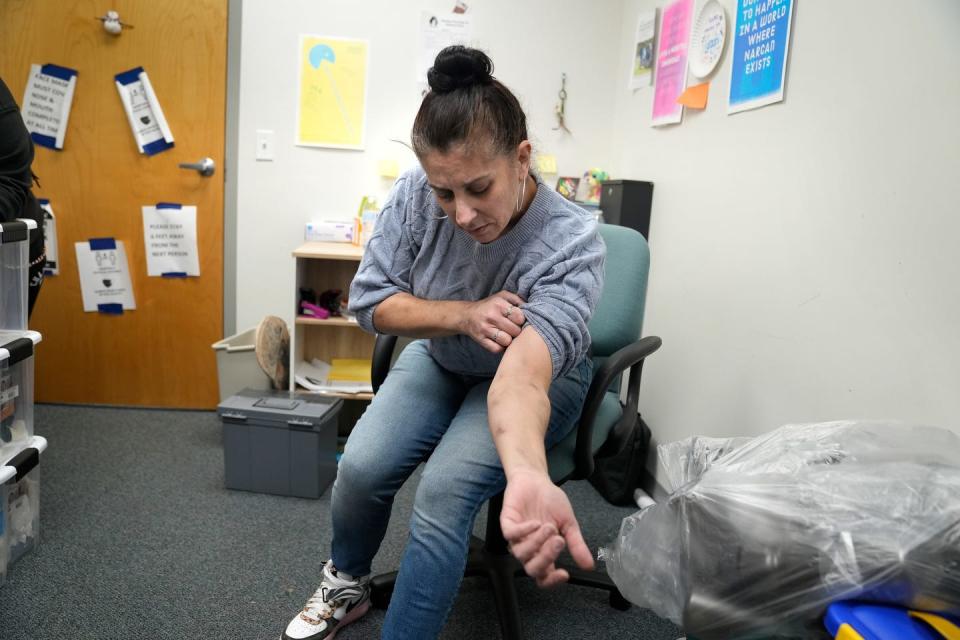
(561,106)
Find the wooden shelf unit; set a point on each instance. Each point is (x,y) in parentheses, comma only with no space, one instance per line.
(322,266)
(330,322)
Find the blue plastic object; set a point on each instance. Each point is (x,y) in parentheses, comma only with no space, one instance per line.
(875,622)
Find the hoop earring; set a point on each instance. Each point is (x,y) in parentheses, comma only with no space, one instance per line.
(521,194)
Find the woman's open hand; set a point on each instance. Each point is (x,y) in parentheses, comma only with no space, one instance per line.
(493,322)
(538,523)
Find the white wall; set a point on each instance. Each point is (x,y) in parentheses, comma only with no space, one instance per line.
(805,259)
(531,44)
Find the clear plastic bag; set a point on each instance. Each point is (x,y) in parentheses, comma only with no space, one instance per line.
(760,535)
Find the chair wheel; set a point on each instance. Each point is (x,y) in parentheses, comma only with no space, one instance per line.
(618,602)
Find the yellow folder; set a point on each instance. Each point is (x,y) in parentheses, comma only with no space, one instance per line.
(349,370)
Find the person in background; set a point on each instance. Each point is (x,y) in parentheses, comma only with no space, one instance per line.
(497,275)
(16,182)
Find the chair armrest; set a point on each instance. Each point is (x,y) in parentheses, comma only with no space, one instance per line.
(629,357)
(380,363)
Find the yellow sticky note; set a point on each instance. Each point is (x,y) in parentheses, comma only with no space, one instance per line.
(546,163)
(388,168)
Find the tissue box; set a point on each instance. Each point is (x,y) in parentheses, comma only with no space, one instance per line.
(329,231)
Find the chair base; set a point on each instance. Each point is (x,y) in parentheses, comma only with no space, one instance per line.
(502,569)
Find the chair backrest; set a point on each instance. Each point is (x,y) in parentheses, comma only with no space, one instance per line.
(618,318)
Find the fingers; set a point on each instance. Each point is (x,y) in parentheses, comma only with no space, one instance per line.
(490,345)
(509,306)
(496,340)
(578,548)
(511,297)
(552,579)
(526,549)
(515,315)
(507,325)
(513,530)
(496,321)
(541,564)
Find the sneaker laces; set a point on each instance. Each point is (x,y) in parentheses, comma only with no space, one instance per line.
(327,599)
(320,606)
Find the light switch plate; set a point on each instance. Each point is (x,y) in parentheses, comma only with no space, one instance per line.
(265,145)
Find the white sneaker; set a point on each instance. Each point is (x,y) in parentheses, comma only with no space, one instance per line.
(337,602)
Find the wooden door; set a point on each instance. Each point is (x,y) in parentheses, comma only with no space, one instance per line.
(159,354)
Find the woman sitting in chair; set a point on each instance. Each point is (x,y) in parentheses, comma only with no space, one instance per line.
(499,275)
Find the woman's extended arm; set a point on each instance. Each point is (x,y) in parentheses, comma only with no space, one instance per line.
(537,518)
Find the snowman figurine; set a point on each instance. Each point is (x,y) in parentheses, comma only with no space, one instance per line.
(112,24)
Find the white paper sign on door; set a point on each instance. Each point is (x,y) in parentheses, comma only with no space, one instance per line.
(170,238)
(51,266)
(46,103)
(104,276)
(149,126)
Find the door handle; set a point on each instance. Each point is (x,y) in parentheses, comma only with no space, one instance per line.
(205,167)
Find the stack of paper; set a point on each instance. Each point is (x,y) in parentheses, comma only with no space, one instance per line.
(345,376)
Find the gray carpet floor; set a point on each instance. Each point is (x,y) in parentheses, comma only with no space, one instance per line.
(139,539)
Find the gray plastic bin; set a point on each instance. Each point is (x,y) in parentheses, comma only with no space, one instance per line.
(275,442)
(237,367)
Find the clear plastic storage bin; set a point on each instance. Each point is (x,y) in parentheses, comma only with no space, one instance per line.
(20,504)
(14,263)
(16,390)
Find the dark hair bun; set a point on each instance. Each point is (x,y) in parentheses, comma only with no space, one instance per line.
(459,67)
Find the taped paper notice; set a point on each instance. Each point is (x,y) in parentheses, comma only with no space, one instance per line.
(170,238)
(51,267)
(150,129)
(46,103)
(104,276)
(438,31)
(641,71)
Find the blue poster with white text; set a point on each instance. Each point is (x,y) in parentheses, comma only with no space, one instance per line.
(760,45)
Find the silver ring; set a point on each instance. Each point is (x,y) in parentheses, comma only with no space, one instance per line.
(496,336)
(509,310)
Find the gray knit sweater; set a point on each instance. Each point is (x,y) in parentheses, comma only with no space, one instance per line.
(552,258)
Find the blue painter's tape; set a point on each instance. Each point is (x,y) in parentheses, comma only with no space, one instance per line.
(157,146)
(129,77)
(43,201)
(58,72)
(174,274)
(44,141)
(169,205)
(113,308)
(102,244)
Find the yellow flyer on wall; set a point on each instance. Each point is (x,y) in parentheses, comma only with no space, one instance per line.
(332,97)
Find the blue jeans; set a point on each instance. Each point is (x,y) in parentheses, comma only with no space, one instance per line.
(424,410)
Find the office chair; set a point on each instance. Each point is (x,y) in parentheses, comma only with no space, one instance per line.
(604,429)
